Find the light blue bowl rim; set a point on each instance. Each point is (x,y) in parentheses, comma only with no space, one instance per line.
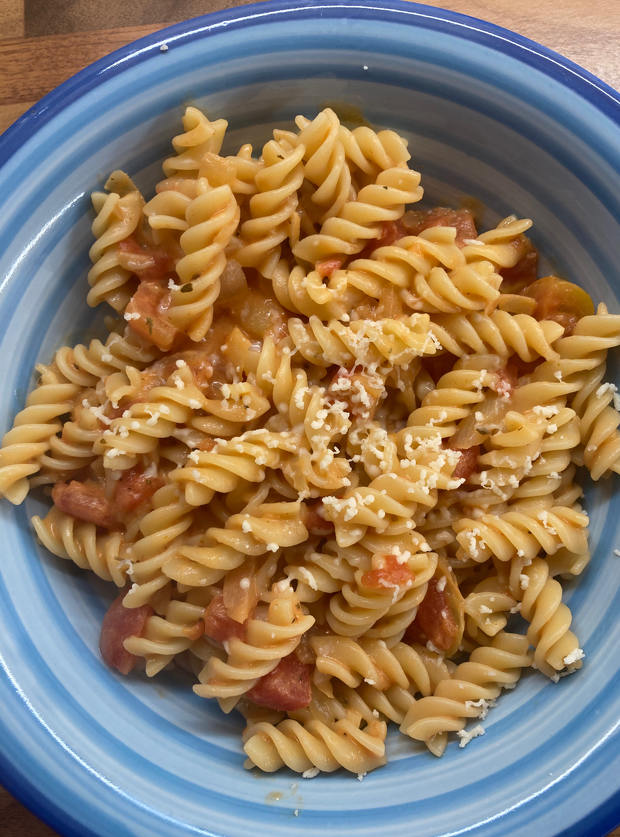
(597,93)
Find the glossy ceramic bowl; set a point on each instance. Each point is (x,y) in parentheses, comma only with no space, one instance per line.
(489,115)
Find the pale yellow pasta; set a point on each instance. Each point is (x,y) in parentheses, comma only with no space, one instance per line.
(329,447)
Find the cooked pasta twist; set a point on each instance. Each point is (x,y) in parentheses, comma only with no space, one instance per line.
(500,333)
(272,208)
(360,220)
(30,436)
(325,162)
(167,635)
(243,457)
(309,294)
(343,743)
(144,423)
(489,669)
(359,606)
(522,533)
(366,342)
(556,648)
(373,151)
(81,543)
(199,136)
(212,219)
(370,661)
(257,530)
(270,636)
(117,218)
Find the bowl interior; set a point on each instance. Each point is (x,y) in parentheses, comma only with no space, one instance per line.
(127,756)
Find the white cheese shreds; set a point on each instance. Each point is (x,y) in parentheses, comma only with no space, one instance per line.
(467,735)
(573,657)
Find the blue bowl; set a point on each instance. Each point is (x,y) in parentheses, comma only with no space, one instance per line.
(489,115)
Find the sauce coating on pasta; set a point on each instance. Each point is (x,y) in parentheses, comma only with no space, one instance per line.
(328,447)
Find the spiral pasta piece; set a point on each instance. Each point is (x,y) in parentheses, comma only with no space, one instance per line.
(81,543)
(243,457)
(199,136)
(212,219)
(370,661)
(257,530)
(500,333)
(31,434)
(396,342)
(144,423)
(489,669)
(272,208)
(360,220)
(301,747)
(370,152)
(522,533)
(167,635)
(325,162)
(268,640)
(556,648)
(116,219)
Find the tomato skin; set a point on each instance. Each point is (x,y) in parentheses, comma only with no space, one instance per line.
(468,462)
(150,302)
(461,219)
(153,264)
(438,619)
(218,624)
(390,575)
(133,489)
(327,267)
(84,501)
(287,688)
(390,232)
(561,301)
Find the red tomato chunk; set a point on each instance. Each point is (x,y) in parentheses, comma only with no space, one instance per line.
(390,575)
(327,267)
(218,624)
(559,300)
(119,623)
(85,501)
(434,620)
(286,688)
(314,522)
(466,465)
(133,489)
(462,219)
(149,264)
(150,302)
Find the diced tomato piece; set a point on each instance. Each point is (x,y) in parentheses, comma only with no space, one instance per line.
(313,520)
(134,488)
(435,620)
(506,380)
(390,574)
(462,219)
(119,623)
(151,302)
(85,501)
(286,688)
(327,267)
(515,279)
(218,624)
(391,231)
(468,462)
(559,300)
(438,365)
(149,264)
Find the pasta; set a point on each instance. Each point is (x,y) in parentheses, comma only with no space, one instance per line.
(328,450)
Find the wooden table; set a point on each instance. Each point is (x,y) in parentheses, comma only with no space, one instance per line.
(42,43)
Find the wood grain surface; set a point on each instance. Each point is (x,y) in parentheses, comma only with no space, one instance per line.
(42,43)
